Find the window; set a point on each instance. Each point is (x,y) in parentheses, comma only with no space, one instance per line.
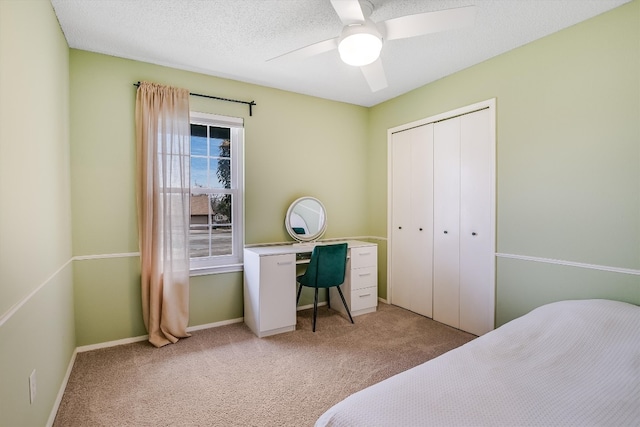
(216,224)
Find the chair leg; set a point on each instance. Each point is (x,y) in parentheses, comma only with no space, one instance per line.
(299,292)
(315,310)
(345,303)
(328,298)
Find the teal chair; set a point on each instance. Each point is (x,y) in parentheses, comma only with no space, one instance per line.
(326,270)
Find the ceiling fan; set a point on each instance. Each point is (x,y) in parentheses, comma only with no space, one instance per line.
(361,39)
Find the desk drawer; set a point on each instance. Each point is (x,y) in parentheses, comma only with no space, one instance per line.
(366,256)
(364,298)
(364,278)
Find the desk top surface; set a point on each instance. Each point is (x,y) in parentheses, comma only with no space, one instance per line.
(296,248)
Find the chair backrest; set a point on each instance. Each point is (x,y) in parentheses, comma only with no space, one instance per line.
(327,266)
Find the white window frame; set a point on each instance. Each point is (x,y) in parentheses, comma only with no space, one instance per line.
(233,262)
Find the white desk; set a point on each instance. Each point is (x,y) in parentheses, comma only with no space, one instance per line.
(270,284)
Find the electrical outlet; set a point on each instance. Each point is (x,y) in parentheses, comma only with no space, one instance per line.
(32,387)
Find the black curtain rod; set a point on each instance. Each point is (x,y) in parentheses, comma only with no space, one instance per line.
(249,103)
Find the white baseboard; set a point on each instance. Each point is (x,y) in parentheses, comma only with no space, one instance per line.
(215,324)
(305,307)
(107,344)
(63,386)
(320,304)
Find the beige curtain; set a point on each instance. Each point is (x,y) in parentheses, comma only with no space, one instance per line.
(162,140)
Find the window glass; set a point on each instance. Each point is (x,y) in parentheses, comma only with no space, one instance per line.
(198,140)
(216,229)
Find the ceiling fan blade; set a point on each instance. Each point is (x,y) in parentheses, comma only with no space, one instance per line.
(310,50)
(374,74)
(349,11)
(427,23)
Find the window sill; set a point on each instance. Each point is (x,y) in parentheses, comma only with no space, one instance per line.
(220,269)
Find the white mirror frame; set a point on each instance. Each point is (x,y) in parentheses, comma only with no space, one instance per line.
(290,214)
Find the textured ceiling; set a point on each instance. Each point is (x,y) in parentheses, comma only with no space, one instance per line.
(235,38)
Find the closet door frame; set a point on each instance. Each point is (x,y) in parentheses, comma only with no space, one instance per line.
(489,104)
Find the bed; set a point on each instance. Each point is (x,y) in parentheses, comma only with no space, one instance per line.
(566,363)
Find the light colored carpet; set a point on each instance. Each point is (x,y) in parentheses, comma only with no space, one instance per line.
(227,376)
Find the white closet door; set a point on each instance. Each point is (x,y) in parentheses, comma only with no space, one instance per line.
(422,219)
(401,270)
(412,219)
(452,193)
(477,265)
(446,219)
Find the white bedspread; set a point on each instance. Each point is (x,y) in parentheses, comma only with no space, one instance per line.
(569,363)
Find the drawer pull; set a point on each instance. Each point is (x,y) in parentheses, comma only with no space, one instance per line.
(365,295)
(285,262)
(364,274)
(364,253)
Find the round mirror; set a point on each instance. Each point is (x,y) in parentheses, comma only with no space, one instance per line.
(306,219)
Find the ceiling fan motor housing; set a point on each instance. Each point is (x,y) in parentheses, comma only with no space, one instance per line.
(360,44)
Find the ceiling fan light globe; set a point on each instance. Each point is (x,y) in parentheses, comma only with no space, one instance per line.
(360,49)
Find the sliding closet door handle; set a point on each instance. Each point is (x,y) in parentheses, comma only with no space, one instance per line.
(445,232)
(474,233)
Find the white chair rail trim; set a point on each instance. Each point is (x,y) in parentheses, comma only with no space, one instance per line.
(17,306)
(571,263)
(102,256)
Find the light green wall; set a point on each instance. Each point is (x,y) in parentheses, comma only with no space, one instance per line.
(568,158)
(295,145)
(36,295)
